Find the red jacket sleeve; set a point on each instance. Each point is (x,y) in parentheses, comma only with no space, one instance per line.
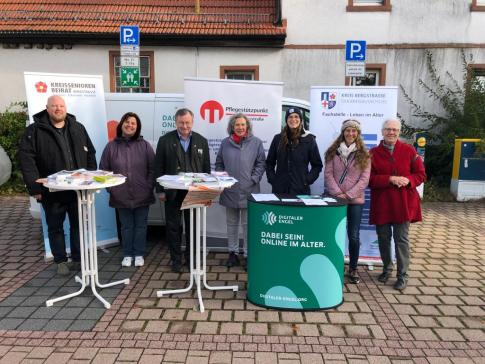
(418,173)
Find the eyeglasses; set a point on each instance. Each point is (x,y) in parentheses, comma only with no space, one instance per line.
(394,130)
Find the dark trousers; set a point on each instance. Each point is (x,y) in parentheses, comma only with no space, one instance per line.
(400,233)
(173,218)
(133,230)
(354,215)
(55,213)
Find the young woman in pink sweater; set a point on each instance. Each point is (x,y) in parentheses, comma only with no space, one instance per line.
(347,170)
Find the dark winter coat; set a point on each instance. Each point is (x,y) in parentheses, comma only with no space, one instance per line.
(389,203)
(245,162)
(170,156)
(133,159)
(40,152)
(287,169)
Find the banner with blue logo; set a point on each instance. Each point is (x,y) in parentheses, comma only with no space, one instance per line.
(371,106)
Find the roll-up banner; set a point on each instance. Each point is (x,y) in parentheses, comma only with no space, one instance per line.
(84,97)
(213,102)
(371,106)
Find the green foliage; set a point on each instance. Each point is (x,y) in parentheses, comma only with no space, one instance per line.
(12,126)
(463,116)
(435,193)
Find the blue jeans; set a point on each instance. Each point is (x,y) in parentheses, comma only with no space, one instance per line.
(354,215)
(133,230)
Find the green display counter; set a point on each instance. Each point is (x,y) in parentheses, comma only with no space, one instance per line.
(296,255)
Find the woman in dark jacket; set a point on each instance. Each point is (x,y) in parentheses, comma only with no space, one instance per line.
(130,155)
(290,154)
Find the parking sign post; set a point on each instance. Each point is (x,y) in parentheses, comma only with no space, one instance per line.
(130,56)
(129,35)
(355,58)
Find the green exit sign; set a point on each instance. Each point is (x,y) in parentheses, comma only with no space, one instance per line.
(130,77)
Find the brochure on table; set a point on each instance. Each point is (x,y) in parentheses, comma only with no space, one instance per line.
(202,188)
(82,179)
(306,199)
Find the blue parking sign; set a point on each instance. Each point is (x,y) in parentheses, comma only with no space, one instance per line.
(355,50)
(129,35)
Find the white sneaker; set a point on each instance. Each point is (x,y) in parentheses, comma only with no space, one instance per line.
(139,261)
(126,262)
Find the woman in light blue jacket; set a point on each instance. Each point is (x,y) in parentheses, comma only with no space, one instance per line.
(241,155)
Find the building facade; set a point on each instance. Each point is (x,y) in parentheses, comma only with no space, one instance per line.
(298,42)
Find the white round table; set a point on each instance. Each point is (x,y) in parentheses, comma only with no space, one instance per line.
(87,236)
(198,273)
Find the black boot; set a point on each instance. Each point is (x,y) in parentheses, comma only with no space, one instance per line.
(176,263)
(233,260)
(384,276)
(401,283)
(354,276)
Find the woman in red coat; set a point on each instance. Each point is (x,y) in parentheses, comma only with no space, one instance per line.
(396,171)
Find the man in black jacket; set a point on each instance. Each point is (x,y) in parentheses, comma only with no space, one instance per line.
(181,150)
(55,142)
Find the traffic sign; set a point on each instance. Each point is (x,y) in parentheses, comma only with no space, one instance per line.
(355,50)
(130,61)
(354,69)
(129,35)
(130,77)
(130,51)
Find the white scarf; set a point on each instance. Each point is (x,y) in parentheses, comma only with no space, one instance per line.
(345,151)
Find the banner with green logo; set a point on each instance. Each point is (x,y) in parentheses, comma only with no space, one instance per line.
(296,255)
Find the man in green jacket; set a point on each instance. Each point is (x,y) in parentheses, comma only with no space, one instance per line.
(181,150)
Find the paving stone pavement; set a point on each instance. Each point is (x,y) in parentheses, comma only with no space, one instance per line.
(439,318)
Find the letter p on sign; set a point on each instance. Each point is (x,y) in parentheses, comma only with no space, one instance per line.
(127,35)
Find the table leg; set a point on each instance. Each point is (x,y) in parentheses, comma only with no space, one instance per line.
(199,273)
(161,293)
(95,256)
(204,254)
(89,253)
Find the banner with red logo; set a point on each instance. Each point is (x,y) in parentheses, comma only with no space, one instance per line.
(214,101)
(371,106)
(84,97)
